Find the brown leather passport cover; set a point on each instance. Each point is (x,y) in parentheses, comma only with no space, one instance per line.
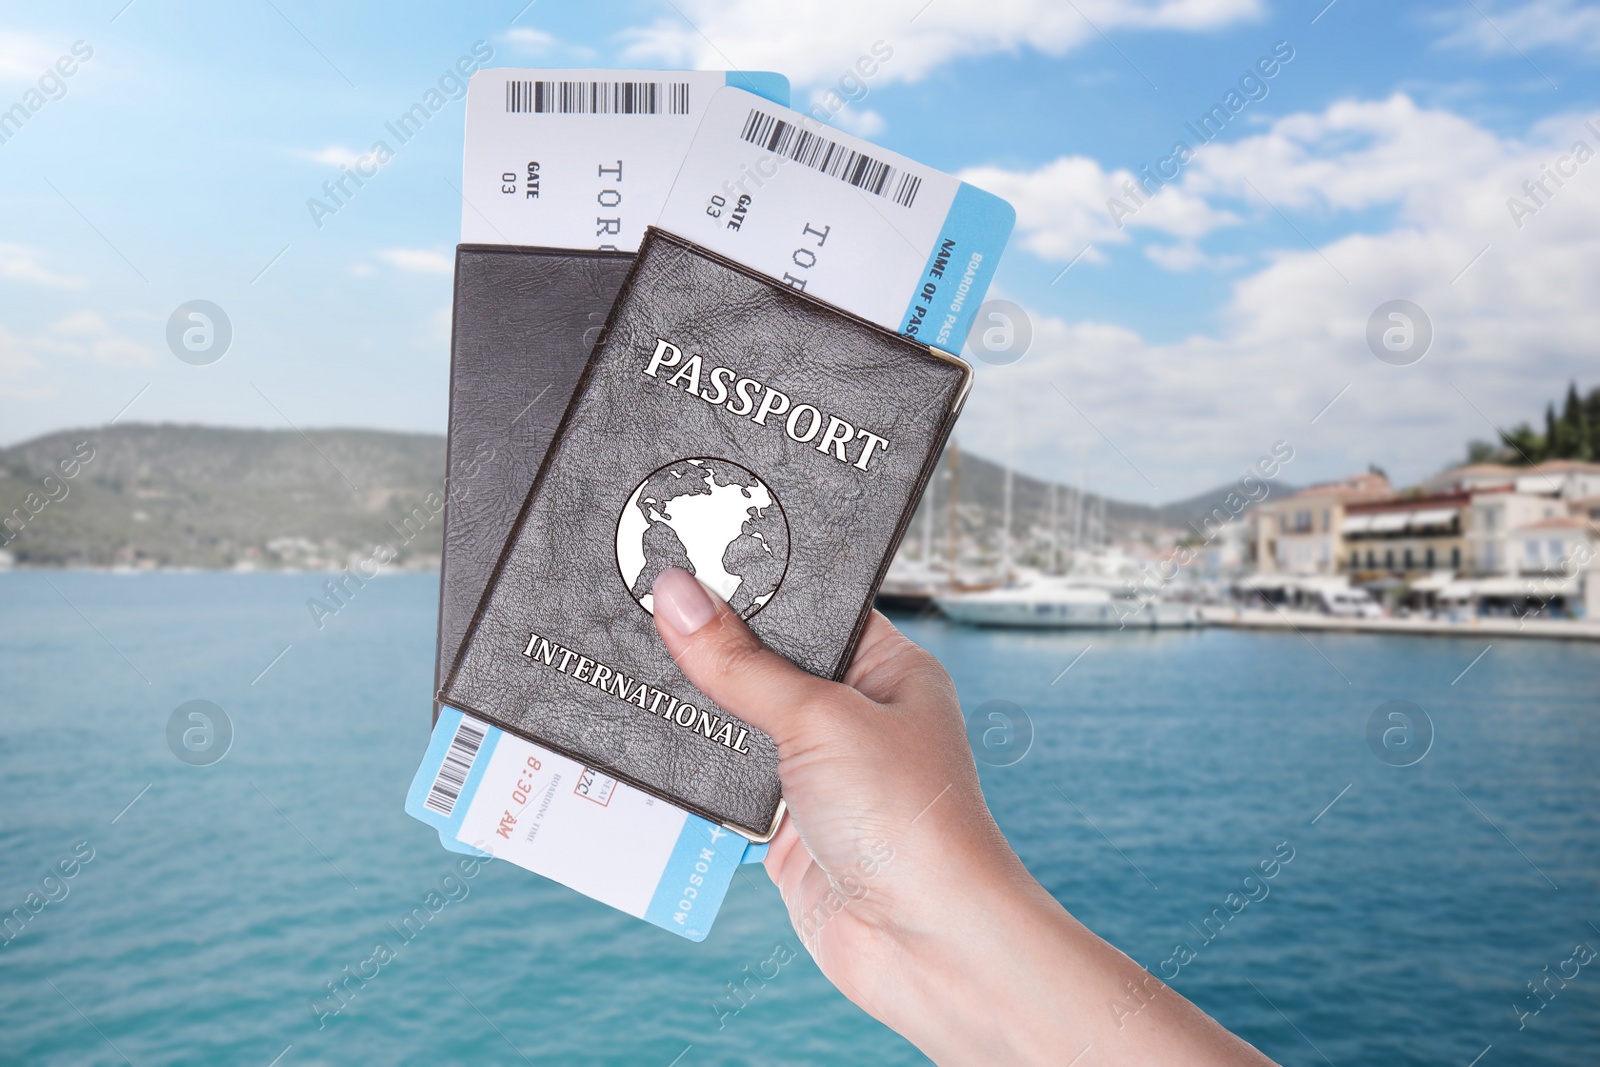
(726,423)
(525,321)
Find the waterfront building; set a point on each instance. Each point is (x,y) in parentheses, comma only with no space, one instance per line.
(1300,533)
(1564,479)
(1483,538)
(1470,477)
(1498,519)
(1231,549)
(1569,479)
(1486,539)
(1406,537)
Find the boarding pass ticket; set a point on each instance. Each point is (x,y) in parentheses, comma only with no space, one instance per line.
(860,227)
(497,794)
(582,158)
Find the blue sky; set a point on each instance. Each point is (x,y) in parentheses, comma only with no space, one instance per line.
(1223,315)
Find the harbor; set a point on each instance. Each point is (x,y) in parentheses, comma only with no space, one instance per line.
(1479,550)
(1415,626)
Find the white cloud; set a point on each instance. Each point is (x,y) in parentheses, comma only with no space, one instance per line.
(815,43)
(121,352)
(1353,156)
(82,323)
(420,260)
(867,123)
(26,362)
(334,156)
(1062,206)
(24,57)
(528,40)
(1536,24)
(87,333)
(20,263)
(1509,332)
(19,368)
(1187,256)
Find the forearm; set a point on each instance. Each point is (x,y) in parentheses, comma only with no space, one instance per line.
(943,935)
(1005,975)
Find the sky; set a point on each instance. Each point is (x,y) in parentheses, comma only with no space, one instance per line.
(1179,331)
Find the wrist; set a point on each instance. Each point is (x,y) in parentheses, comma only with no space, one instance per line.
(980,970)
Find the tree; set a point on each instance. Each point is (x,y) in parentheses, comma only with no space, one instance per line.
(1575,429)
(1482,452)
(1526,445)
(1591,410)
(1573,434)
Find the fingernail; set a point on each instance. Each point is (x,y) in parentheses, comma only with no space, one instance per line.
(681,601)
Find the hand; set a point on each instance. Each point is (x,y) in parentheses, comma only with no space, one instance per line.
(877,775)
(894,873)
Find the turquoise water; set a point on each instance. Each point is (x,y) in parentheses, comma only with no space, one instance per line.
(1165,767)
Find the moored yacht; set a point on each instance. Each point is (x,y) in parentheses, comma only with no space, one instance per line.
(1048,603)
(1095,600)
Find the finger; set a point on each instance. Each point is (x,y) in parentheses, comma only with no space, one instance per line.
(725,661)
(786,855)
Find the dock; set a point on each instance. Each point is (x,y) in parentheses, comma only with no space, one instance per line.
(1477,627)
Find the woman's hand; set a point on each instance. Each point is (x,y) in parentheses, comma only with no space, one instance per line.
(894,873)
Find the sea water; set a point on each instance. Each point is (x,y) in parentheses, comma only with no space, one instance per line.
(225,903)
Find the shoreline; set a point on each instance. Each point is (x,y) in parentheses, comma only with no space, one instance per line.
(1212,615)
(140,572)
(1257,619)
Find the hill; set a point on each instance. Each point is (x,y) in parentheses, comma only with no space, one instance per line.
(200,496)
(980,507)
(213,497)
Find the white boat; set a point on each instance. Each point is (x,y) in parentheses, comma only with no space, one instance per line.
(1064,603)
(909,586)
(1100,591)
(1034,605)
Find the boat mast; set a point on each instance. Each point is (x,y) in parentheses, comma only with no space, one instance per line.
(1055,547)
(1077,511)
(955,483)
(927,524)
(1005,525)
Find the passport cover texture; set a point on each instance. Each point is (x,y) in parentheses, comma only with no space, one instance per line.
(524,323)
(726,423)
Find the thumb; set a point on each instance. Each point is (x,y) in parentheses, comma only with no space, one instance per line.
(725,661)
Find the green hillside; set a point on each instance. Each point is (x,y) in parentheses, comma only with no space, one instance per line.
(198,496)
(212,497)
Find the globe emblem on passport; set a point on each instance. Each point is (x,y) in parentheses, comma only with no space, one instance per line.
(714,519)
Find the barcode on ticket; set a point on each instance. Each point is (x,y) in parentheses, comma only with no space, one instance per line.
(597,97)
(452,776)
(830,157)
